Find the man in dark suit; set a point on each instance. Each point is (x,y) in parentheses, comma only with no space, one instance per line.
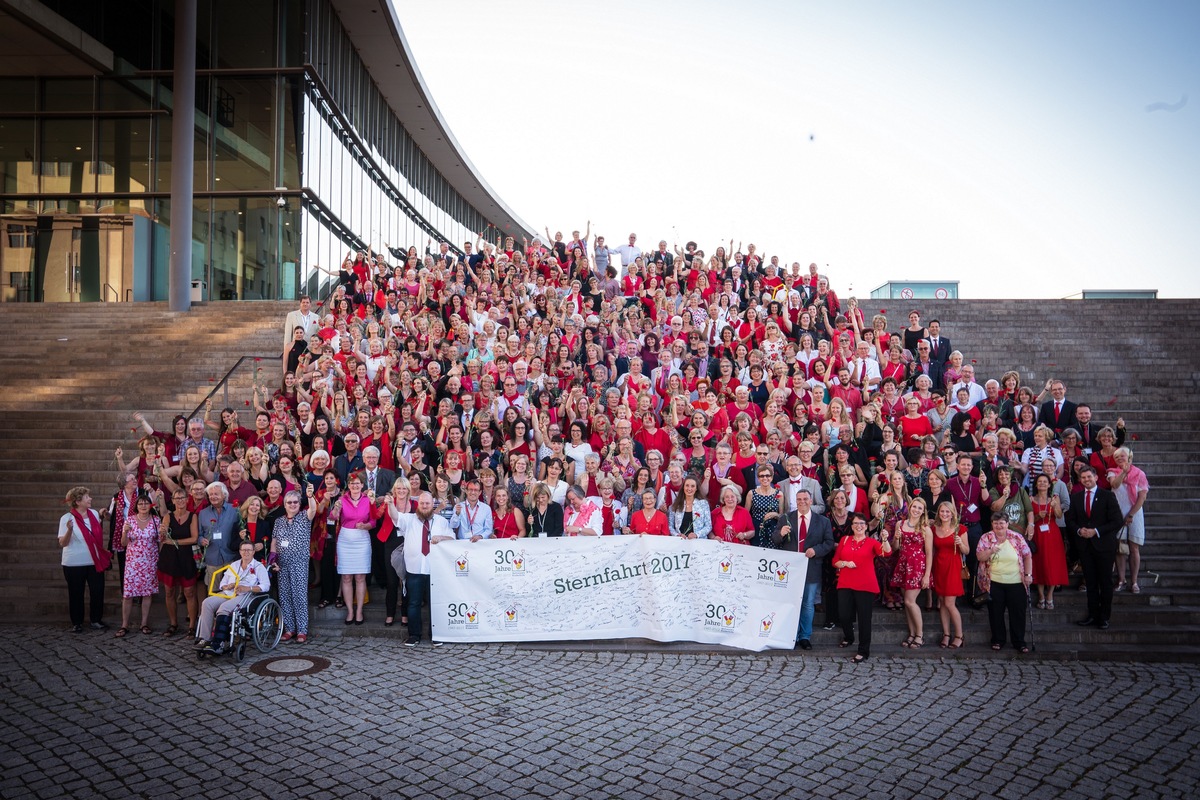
(814,530)
(1095,517)
(939,346)
(1058,413)
(377,482)
(1089,430)
(924,364)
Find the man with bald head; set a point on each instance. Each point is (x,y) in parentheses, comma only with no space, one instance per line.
(420,531)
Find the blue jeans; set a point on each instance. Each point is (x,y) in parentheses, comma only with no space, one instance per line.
(808,607)
(417,587)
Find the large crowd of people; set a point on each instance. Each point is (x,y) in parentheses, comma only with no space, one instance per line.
(563,387)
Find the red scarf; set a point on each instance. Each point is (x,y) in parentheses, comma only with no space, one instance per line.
(92,537)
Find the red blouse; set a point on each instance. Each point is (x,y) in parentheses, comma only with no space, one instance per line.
(655,526)
(726,530)
(860,577)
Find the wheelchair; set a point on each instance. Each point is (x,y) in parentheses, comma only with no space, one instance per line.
(260,621)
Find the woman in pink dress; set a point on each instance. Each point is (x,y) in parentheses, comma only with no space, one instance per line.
(140,538)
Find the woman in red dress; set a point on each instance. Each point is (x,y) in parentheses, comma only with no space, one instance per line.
(732,523)
(911,574)
(1050,557)
(949,547)
(508,524)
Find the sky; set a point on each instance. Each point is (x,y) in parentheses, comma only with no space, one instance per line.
(1015,147)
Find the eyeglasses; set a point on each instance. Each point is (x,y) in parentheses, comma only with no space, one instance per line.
(291,502)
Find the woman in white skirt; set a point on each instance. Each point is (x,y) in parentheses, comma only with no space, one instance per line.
(1131,487)
(354,513)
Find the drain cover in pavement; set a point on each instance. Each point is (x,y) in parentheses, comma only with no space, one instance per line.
(289,666)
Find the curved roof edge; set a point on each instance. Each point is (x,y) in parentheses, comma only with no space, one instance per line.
(379,46)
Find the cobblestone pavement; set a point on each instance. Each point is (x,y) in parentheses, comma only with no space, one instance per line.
(92,715)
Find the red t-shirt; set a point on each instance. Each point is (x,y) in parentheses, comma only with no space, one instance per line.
(660,440)
(860,577)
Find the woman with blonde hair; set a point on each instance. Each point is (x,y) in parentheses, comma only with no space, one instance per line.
(914,539)
(84,559)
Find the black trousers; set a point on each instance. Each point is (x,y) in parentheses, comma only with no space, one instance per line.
(1013,598)
(79,578)
(854,605)
(393,578)
(330,582)
(1097,561)
(417,587)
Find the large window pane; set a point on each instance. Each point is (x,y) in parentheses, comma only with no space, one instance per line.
(124,158)
(17,94)
(67,157)
(17,168)
(247,236)
(293,125)
(244,133)
(244,33)
(67,94)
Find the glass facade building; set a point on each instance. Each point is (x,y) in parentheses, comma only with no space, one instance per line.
(300,156)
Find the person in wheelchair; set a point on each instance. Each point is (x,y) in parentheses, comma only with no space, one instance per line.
(247,577)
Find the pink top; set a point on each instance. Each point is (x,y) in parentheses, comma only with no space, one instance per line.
(355,513)
(1136,481)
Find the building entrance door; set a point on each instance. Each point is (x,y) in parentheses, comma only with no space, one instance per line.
(66,258)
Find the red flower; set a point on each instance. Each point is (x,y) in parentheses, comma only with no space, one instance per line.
(1113,401)
(257,360)
(1134,437)
(883,311)
(247,402)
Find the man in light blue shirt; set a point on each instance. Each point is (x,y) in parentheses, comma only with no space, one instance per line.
(472,519)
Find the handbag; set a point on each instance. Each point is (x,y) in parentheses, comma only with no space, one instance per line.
(1123,541)
(966,573)
(979,597)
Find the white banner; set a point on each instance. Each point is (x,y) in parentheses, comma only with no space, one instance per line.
(614,587)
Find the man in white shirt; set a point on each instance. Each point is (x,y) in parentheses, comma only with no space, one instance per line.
(977,392)
(420,531)
(304,318)
(796,482)
(866,369)
(628,252)
(472,519)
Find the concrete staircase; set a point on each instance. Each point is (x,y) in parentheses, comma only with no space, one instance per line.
(70,389)
(70,394)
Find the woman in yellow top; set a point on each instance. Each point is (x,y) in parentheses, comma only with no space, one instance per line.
(1005,570)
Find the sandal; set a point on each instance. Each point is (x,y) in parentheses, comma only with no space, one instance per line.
(1041,604)
(340,603)
(846,643)
(146,631)
(1023,650)
(1049,605)
(996,647)
(287,636)
(945,645)
(917,642)
(121,632)
(1120,587)
(170,631)
(858,658)
(908,642)
(1135,589)
(958,639)
(323,604)
(302,638)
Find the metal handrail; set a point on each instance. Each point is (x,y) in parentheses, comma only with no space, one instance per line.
(109,287)
(223,384)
